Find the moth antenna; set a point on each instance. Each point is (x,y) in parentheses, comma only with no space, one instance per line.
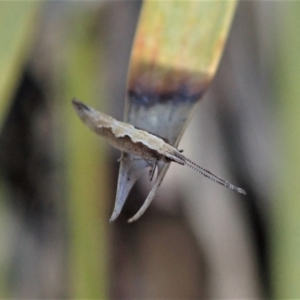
(212,176)
(205,170)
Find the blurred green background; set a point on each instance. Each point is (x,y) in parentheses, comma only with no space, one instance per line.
(58,181)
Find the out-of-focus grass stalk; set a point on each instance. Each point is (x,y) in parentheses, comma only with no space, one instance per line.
(286,217)
(86,169)
(17,28)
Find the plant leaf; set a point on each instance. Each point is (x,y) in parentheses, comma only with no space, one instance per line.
(176,52)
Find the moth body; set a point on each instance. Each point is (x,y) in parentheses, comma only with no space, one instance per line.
(138,142)
(124,136)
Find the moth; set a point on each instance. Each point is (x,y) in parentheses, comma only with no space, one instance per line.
(140,143)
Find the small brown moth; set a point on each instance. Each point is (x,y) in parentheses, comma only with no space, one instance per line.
(140,143)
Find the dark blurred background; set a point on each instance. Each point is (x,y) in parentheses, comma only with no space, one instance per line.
(58,181)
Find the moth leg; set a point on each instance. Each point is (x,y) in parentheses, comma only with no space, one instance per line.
(135,158)
(152,170)
(122,158)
